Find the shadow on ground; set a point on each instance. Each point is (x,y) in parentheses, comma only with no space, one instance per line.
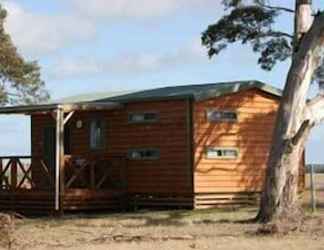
(175,218)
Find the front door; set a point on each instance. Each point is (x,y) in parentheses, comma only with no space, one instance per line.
(50,148)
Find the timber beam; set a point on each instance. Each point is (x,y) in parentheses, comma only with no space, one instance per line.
(50,108)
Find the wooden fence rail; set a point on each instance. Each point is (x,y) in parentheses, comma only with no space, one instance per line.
(95,174)
(27,184)
(16,172)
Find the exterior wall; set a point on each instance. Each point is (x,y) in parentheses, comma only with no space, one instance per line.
(181,134)
(38,123)
(171,174)
(251,134)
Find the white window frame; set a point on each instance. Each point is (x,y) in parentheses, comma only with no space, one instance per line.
(209,113)
(131,114)
(223,155)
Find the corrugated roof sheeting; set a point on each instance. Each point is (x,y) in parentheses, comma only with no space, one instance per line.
(197,92)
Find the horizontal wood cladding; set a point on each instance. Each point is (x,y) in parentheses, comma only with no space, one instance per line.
(251,135)
(210,200)
(38,123)
(171,173)
(166,201)
(254,188)
(81,199)
(30,202)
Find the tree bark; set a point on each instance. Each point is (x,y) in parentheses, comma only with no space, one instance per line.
(295,119)
(303,20)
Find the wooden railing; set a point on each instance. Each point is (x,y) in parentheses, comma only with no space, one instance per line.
(95,174)
(31,173)
(16,173)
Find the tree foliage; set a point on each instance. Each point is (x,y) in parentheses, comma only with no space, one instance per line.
(250,22)
(20,80)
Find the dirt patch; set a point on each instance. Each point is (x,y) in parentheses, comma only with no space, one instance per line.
(207,229)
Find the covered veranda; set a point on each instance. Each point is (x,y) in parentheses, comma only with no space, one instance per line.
(59,190)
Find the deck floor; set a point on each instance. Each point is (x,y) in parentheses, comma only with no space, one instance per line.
(42,202)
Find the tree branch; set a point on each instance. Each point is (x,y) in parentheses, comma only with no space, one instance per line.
(279,8)
(276,34)
(306,125)
(314,110)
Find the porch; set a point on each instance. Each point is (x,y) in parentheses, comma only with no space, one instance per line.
(88,184)
(36,184)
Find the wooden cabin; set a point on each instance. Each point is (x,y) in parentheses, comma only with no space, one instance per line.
(188,146)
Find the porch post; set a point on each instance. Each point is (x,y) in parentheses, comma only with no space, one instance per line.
(1,169)
(59,169)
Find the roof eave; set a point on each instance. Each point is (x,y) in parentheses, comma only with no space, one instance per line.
(67,107)
(256,85)
(28,109)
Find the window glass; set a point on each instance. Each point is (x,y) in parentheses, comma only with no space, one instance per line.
(96,134)
(142,117)
(144,154)
(221,116)
(215,153)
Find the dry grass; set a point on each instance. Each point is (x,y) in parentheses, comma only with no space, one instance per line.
(7,228)
(206,229)
(319,186)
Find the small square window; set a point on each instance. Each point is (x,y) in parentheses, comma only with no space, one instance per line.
(222,153)
(96,134)
(221,116)
(143,154)
(142,117)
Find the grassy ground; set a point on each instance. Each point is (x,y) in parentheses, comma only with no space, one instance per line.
(210,229)
(204,229)
(319,187)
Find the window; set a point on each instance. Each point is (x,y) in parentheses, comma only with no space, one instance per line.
(144,154)
(96,134)
(142,117)
(222,153)
(67,140)
(221,116)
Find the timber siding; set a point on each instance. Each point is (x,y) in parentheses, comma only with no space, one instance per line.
(182,175)
(38,124)
(251,135)
(176,171)
(169,175)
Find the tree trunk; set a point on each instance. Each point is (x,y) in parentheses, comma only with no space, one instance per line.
(294,121)
(303,20)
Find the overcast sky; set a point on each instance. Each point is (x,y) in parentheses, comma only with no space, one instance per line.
(100,45)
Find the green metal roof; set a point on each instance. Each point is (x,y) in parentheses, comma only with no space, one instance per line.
(198,92)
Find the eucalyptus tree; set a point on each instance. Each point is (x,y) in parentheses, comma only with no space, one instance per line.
(252,22)
(20,80)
